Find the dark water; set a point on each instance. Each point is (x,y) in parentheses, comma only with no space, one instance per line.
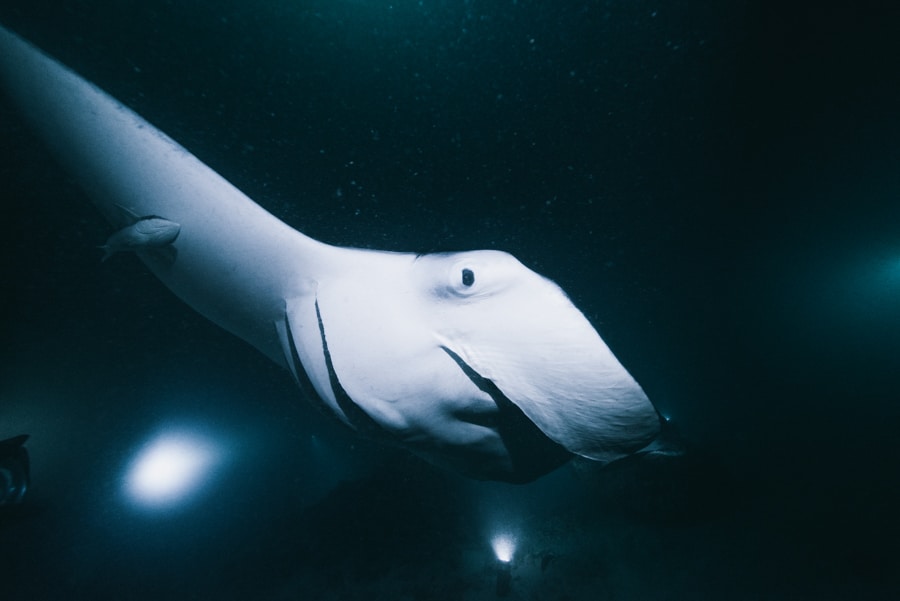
(717,186)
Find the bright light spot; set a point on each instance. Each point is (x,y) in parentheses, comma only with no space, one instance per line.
(170,468)
(504,546)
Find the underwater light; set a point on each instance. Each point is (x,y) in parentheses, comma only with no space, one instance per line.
(504,547)
(170,468)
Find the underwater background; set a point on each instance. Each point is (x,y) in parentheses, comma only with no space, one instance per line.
(715,184)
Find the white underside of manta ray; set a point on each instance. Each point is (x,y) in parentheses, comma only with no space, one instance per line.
(468,359)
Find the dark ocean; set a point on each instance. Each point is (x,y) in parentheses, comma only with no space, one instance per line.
(716,185)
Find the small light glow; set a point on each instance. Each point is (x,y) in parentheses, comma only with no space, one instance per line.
(169,468)
(504,546)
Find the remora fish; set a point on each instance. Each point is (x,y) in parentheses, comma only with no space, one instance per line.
(150,233)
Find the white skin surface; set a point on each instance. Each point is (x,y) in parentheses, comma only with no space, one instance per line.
(420,349)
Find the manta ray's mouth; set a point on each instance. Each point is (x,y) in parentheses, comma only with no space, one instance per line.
(531,452)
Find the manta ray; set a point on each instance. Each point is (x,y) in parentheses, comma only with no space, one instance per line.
(468,359)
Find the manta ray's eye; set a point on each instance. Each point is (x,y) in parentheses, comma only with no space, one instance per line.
(468,277)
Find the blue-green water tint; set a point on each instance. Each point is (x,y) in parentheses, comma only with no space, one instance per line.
(715,186)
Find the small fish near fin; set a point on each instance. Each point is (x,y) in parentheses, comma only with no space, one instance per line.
(152,234)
